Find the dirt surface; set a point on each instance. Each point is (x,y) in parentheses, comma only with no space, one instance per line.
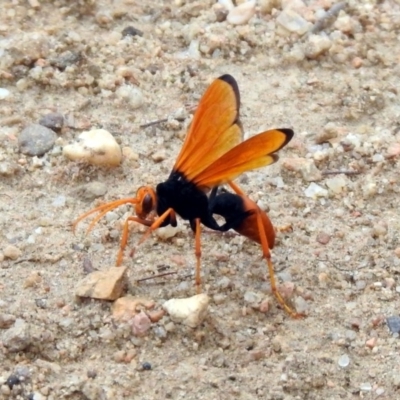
(338,90)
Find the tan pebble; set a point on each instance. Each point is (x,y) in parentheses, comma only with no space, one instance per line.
(286,289)
(130,355)
(178,259)
(393,150)
(305,166)
(119,356)
(323,238)
(140,324)
(357,62)
(12,252)
(389,283)
(371,343)
(129,154)
(96,147)
(159,155)
(33,280)
(397,252)
(155,315)
(104,285)
(242,13)
(125,308)
(264,306)
(323,278)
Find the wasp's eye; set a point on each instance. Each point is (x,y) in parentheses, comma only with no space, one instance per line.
(147,204)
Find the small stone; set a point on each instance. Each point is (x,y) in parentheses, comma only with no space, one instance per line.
(140,324)
(131,31)
(344,361)
(159,155)
(393,150)
(96,147)
(103,285)
(91,190)
(146,366)
(314,191)
(18,337)
(365,387)
(316,46)
(53,121)
(329,131)
(32,280)
(293,22)
(305,166)
(167,232)
(252,298)
(9,168)
(36,140)
(323,238)
(12,252)
(394,324)
(336,184)
(242,13)
(4,93)
(371,343)
(265,306)
(397,252)
(6,320)
(357,62)
(188,311)
(131,95)
(125,308)
(155,315)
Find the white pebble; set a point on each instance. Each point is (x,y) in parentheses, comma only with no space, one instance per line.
(4,93)
(96,147)
(190,311)
(293,22)
(167,232)
(132,95)
(314,191)
(336,184)
(344,361)
(242,13)
(228,4)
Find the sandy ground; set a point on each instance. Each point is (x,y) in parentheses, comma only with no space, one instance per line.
(340,95)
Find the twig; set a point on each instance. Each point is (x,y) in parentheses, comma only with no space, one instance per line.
(156,122)
(156,276)
(324,21)
(340,171)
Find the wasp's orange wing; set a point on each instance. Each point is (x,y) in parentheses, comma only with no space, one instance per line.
(215,128)
(256,152)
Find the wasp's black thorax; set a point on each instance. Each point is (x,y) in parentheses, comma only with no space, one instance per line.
(188,201)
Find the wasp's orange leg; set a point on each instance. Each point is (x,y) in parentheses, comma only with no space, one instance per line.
(198,255)
(125,235)
(267,256)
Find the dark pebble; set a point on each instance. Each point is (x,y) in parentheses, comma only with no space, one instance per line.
(53,121)
(131,31)
(12,380)
(146,366)
(393,324)
(36,140)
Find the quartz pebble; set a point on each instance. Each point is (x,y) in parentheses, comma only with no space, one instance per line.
(241,14)
(36,140)
(96,147)
(131,95)
(293,22)
(188,311)
(344,361)
(4,93)
(314,191)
